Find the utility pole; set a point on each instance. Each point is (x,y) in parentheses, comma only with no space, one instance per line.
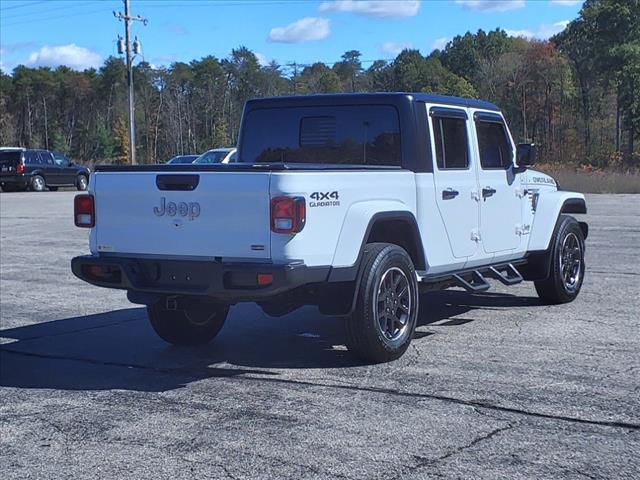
(127,35)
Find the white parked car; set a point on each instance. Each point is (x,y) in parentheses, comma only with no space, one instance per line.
(217,155)
(355,203)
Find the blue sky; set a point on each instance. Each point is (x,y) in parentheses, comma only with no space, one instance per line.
(82,34)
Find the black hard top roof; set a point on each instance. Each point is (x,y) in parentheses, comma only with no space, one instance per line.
(361,98)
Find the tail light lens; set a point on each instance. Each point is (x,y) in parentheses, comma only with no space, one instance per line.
(288,214)
(20,168)
(84,212)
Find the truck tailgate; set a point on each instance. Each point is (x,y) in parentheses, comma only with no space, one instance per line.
(226,214)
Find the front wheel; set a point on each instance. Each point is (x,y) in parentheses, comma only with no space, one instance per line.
(382,325)
(567,264)
(195,326)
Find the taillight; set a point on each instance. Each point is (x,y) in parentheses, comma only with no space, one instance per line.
(288,214)
(84,212)
(20,168)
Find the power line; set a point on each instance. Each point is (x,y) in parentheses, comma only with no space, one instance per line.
(40,19)
(209,3)
(13,7)
(40,11)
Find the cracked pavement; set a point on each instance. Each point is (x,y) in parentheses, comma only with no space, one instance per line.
(495,385)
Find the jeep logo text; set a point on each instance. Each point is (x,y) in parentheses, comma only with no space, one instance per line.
(183,209)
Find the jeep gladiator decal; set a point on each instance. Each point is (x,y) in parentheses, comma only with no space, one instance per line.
(183,209)
(547,180)
(325,199)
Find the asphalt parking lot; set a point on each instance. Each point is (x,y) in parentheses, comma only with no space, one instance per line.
(495,385)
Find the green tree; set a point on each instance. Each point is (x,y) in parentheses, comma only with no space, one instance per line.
(349,70)
(318,78)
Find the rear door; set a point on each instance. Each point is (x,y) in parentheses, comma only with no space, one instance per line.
(455,179)
(500,190)
(50,170)
(32,161)
(226,214)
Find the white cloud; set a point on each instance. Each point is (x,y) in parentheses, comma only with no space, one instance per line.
(72,56)
(262,59)
(520,33)
(304,30)
(547,31)
(373,8)
(440,43)
(491,5)
(566,3)
(543,32)
(394,48)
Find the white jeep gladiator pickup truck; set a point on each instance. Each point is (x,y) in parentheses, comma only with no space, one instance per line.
(355,203)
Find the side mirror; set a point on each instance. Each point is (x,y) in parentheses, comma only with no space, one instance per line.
(525,155)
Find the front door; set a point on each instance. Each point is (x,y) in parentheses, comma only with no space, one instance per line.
(455,179)
(499,186)
(69,172)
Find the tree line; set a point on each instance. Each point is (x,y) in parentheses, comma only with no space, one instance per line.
(577,95)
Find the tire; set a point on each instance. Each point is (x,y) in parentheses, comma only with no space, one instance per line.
(38,184)
(382,324)
(197,326)
(82,182)
(566,273)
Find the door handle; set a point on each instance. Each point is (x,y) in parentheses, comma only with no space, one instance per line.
(449,193)
(488,191)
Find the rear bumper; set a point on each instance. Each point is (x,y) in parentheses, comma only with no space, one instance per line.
(227,282)
(14,180)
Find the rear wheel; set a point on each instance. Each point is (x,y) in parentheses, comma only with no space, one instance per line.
(82,182)
(383,322)
(195,326)
(567,264)
(38,184)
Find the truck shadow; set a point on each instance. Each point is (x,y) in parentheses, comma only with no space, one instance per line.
(119,350)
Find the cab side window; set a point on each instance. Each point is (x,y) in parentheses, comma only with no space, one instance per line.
(450,138)
(31,158)
(494,145)
(47,159)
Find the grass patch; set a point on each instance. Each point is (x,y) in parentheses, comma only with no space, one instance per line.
(588,179)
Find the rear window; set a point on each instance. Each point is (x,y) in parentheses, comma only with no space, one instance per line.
(10,158)
(350,135)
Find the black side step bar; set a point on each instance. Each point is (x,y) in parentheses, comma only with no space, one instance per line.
(507,274)
(474,282)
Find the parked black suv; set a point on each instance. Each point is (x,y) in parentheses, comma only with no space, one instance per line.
(38,170)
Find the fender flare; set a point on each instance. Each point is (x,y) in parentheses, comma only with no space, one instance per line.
(350,273)
(549,206)
(574,205)
(36,172)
